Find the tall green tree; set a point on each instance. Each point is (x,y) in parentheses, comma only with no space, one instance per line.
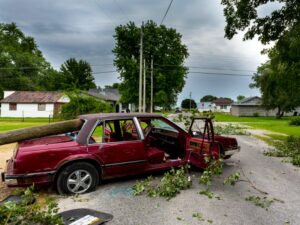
(187,103)
(279,78)
(240,98)
(77,75)
(165,46)
(21,62)
(243,15)
(208,98)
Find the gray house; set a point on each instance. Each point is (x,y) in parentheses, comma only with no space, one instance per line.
(252,106)
(249,107)
(112,96)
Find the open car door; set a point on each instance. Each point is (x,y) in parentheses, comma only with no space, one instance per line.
(201,143)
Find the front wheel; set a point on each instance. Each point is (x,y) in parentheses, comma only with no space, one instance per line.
(77,178)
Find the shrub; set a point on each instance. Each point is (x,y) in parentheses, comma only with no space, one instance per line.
(287,148)
(230,130)
(83,104)
(170,185)
(25,213)
(256,114)
(295,121)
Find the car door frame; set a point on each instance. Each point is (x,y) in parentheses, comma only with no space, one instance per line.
(119,167)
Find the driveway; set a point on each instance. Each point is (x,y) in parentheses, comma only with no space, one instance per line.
(280,180)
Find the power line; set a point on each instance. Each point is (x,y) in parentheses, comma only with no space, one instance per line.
(121,10)
(221,74)
(100,72)
(206,68)
(166,12)
(107,15)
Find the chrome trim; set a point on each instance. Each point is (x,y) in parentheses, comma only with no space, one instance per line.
(111,142)
(138,128)
(30,175)
(11,182)
(232,151)
(124,163)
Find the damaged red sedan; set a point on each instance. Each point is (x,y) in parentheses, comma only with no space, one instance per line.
(113,145)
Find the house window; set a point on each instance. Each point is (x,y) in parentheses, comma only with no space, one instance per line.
(223,106)
(41,107)
(12,106)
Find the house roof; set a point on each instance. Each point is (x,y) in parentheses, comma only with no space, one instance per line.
(222,101)
(251,101)
(108,94)
(33,97)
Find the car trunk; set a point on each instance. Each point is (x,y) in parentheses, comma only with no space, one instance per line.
(45,141)
(227,142)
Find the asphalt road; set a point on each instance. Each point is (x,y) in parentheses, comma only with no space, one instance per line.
(280,180)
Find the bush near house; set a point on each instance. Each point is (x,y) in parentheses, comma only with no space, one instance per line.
(83,104)
(295,121)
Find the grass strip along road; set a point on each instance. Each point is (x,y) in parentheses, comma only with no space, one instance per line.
(267,123)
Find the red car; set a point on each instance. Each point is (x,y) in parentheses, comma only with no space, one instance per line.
(113,145)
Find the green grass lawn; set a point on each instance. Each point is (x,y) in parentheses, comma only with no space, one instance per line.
(267,123)
(7,124)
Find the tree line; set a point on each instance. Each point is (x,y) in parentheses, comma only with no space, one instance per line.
(279,78)
(23,66)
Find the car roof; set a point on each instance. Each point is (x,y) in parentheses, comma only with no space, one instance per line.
(117,115)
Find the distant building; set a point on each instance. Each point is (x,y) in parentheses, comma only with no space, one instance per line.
(205,106)
(252,107)
(32,103)
(222,105)
(112,96)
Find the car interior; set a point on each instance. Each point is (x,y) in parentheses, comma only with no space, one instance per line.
(162,141)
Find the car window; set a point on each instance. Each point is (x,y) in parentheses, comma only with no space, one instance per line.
(155,123)
(198,126)
(97,135)
(120,130)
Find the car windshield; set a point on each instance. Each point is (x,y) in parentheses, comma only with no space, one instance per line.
(198,126)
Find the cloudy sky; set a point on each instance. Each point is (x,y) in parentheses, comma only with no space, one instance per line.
(85,29)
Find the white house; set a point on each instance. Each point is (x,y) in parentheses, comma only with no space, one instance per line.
(205,106)
(32,103)
(222,105)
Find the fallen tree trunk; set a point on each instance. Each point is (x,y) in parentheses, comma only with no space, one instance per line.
(40,131)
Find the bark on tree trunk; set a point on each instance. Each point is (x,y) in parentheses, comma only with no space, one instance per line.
(40,131)
(279,113)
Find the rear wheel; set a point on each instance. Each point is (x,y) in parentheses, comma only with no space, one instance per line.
(77,178)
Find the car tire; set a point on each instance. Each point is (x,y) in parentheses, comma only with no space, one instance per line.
(77,178)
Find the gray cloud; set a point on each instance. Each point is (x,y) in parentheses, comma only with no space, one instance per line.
(84,29)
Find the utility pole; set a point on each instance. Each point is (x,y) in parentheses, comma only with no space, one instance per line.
(151,100)
(190,100)
(144,91)
(141,70)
